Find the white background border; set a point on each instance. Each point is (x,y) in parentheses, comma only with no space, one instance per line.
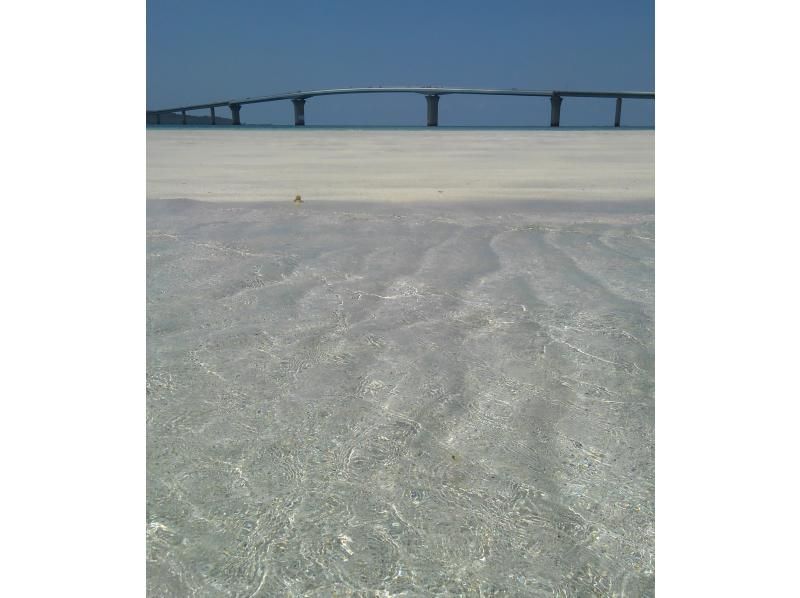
(73,247)
(726,298)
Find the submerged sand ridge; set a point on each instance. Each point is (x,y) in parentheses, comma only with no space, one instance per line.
(408,165)
(384,398)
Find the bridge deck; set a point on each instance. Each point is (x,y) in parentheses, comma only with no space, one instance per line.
(302,95)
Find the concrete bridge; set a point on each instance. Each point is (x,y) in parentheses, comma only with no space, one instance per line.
(432,95)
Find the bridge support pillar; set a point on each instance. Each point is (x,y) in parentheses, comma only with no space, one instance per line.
(183,117)
(213,116)
(618,112)
(555,110)
(235,113)
(299,112)
(433,110)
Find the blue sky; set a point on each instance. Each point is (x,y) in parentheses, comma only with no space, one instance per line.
(202,51)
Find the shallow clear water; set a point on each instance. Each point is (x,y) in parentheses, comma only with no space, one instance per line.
(386,399)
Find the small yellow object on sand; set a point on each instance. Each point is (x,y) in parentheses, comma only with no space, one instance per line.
(298,199)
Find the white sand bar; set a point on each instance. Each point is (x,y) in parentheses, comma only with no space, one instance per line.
(398,165)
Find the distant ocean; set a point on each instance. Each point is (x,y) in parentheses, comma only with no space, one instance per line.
(405,128)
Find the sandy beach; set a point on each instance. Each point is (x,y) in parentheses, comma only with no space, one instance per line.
(433,377)
(413,165)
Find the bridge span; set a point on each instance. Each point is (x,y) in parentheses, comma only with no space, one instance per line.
(432,95)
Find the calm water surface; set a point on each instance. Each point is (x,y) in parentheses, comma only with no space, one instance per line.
(395,400)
